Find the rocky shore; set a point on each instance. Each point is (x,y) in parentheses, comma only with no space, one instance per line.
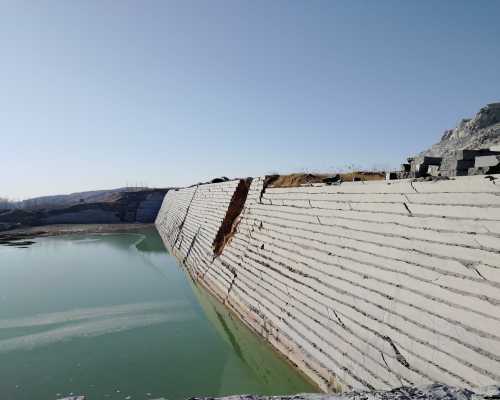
(22,237)
(431,392)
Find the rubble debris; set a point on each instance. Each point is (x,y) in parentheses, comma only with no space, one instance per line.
(219,180)
(435,391)
(332,179)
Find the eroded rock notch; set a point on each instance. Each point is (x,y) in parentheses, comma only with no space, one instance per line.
(229,223)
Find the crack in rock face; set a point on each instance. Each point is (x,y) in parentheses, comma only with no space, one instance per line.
(230,222)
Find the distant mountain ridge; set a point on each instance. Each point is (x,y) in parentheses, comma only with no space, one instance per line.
(123,205)
(482,131)
(68,200)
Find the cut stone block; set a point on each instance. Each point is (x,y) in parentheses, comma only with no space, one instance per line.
(433,170)
(421,170)
(471,154)
(432,160)
(461,164)
(487,161)
(391,175)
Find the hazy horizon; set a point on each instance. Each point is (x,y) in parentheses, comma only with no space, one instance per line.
(105,94)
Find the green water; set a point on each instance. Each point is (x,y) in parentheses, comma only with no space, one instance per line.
(115,317)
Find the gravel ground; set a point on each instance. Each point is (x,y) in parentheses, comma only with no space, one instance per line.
(431,392)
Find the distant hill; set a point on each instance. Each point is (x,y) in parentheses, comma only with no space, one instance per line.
(95,207)
(68,200)
(482,131)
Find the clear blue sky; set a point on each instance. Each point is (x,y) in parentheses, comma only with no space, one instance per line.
(97,94)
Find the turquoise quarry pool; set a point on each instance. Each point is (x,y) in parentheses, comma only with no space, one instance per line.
(115,317)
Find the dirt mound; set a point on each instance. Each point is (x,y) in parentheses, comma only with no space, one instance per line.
(298,179)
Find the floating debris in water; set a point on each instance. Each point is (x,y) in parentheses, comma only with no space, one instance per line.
(16,240)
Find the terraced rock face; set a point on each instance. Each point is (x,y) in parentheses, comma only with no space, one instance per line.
(482,131)
(121,207)
(362,285)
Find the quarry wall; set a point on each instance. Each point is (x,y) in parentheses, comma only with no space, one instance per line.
(129,207)
(362,285)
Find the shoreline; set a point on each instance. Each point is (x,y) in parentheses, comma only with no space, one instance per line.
(21,237)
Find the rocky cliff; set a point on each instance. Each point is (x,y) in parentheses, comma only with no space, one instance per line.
(482,131)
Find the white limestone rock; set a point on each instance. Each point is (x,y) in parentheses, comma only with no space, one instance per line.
(482,131)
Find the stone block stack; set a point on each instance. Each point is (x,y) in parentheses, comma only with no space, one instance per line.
(460,163)
(416,168)
(422,167)
(486,165)
(467,162)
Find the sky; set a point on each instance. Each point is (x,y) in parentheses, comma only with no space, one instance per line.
(103,94)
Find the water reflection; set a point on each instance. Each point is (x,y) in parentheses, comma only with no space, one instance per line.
(111,316)
(269,368)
